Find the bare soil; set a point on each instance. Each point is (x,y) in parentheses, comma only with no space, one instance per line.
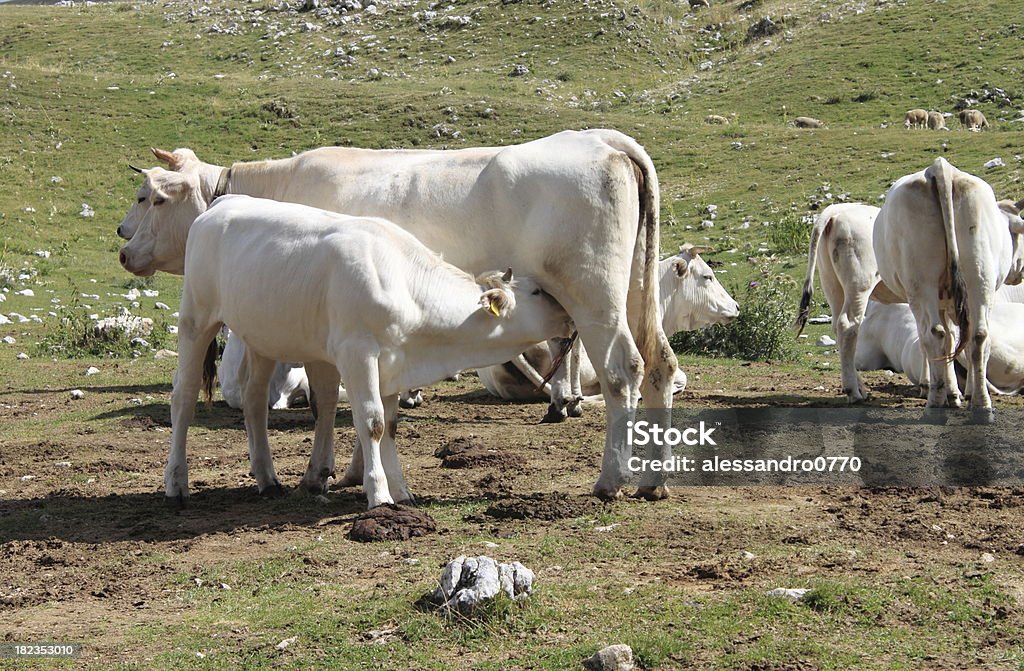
(90,551)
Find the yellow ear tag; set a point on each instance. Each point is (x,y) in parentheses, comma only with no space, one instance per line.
(494,309)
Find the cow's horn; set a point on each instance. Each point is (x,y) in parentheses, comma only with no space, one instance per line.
(138,170)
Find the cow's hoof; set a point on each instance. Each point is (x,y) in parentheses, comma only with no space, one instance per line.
(606,494)
(273,491)
(179,502)
(652,493)
(554,415)
(411,501)
(575,408)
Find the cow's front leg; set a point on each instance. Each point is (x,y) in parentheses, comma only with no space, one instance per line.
(561,385)
(389,454)
(255,407)
(358,367)
(192,345)
(323,384)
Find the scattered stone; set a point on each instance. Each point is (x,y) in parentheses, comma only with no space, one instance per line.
(8,339)
(77,394)
(42,253)
(468,582)
(87,211)
(25,292)
(22,356)
(820,319)
(825,341)
(165,354)
(519,70)
(617,657)
(791,593)
(284,645)
(391,522)
(748,555)
(988,557)
(92,370)
(124,323)
(995,163)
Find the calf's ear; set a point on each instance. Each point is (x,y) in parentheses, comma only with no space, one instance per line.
(680,266)
(496,302)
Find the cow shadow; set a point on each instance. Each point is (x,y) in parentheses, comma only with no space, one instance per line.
(220,415)
(152,517)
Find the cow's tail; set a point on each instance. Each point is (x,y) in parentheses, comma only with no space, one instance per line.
(820,226)
(650,339)
(940,174)
(209,372)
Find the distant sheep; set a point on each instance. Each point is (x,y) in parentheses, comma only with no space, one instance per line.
(973,120)
(915,118)
(808,122)
(716,120)
(936,121)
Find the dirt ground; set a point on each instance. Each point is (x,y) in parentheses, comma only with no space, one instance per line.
(89,550)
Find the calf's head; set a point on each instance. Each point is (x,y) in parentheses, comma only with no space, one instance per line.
(691,295)
(525,311)
(169,203)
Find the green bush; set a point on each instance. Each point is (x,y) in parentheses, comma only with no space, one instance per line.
(761,332)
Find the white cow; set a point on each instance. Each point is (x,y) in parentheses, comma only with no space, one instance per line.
(888,339)
(691,298)
(354,296)
(288,383)
(841,250)
(941,244)
(577,211)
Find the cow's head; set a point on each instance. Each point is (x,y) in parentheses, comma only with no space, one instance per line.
(171,201)
(522,306)
(179,160)
(691,295)
(1016,225)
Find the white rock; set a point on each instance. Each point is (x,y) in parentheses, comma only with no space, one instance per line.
(605,529)
(283,645)
(22,356)
(26,478)
(77,394)
(820,319)
(87,211)
(748,555)
(162,306)
(825,341)
(468,582)
(150,293)
(92,370)
(4,319)
(791,593)
(25,292)
(132,295)
(42,253)
(617,657)
(987,557)
(165,354)
(994,163)
(8,339)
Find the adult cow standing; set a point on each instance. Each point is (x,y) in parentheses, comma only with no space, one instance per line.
(578,211)
(941,243)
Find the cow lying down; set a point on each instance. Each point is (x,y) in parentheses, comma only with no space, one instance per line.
(691,298)
(352,296)
(889,340)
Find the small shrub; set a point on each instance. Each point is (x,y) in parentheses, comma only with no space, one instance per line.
(75,336)
(791,234)
(761,331)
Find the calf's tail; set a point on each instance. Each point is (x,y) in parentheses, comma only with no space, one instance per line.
(820,227)
(209,371)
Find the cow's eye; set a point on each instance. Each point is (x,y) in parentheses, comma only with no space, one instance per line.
(142,199)
(159,201)
(708,278)
(535,292)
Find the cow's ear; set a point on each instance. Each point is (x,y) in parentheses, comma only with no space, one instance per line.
(507,277)
(496,302)
(680,266)
(173,161)
(1016,225)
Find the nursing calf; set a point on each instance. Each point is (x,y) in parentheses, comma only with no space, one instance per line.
(351,296)
(691,298)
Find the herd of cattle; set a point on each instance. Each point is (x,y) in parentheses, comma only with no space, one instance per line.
(387,270)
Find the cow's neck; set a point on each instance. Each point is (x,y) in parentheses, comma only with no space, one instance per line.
(259,179)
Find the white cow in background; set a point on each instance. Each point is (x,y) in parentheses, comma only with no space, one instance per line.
(691,298)
(354,296)
(288,384)
(889,340)
(842,252)
(577,211)
(941,244)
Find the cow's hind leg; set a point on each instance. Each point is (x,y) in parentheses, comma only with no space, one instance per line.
(323,384)
(192,345)
(618,366)
(937,343)
(847,328)
(256,407)
(657,389)
(979,348)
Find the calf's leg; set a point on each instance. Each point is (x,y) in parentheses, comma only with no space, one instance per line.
(255,407)
(323,385)
(362,380)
